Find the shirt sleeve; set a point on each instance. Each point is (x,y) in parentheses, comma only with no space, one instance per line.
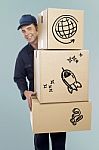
(20,76)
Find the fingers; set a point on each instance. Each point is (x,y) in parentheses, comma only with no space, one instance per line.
(30,104)
(29,96)
(34,95)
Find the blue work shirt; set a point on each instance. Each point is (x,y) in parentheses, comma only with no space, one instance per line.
(24,70)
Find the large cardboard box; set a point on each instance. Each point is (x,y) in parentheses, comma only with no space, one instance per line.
(60,29)
(60,117)
(61,76)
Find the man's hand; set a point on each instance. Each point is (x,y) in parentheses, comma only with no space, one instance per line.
(29,95)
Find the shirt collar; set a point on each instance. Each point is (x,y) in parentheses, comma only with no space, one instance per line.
(30,48)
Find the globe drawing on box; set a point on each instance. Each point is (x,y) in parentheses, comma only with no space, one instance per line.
(64,28)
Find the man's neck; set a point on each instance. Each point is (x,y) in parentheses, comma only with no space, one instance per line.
(35,45)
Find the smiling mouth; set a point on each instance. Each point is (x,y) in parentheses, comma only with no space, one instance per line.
(29,36)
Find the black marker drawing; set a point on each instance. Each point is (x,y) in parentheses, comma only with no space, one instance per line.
(70,80)
(70,59)
(52,82)
(76,116)
(74,58)
(64,28)
(45,85)
(49,86)
(80,54)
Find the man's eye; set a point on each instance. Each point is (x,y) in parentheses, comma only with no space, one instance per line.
(23,31)
(29,29)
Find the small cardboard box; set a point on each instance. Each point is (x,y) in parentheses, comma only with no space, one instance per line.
(60,117)
(60,29)
(61,76)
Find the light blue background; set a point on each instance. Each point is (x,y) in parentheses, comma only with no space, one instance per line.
(15,129)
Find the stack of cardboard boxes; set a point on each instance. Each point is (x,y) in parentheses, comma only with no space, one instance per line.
(61,73)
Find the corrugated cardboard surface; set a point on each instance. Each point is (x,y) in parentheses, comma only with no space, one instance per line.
(60,117)
(51,85)
(66,21)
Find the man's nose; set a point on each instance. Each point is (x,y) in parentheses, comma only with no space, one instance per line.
(26,33)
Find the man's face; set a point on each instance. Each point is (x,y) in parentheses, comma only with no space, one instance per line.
(30,33)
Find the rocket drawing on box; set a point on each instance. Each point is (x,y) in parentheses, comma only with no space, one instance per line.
(70,80)
(64,28)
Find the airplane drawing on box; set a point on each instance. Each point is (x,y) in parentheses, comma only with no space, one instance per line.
(76,116)
(70,80)
(64,28)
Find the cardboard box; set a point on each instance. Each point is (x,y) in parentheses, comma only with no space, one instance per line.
(61,76)
(60,29)
(60,117)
